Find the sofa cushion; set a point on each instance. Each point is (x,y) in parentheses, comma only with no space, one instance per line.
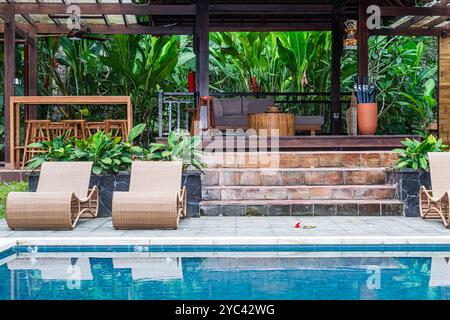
(231,107)
(252,105)
(309,121)
(217,107)
(232,122)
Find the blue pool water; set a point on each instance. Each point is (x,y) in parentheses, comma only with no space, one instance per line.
(134,272)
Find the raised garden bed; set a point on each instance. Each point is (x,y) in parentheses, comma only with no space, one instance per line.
(408,184)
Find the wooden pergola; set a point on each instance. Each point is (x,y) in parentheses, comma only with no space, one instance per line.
(26,20)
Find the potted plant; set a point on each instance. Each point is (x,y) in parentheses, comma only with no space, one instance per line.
(412,170)
(367,108)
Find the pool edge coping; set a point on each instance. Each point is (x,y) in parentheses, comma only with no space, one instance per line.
(6,243)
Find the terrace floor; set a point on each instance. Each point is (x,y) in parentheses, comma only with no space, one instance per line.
(246,231)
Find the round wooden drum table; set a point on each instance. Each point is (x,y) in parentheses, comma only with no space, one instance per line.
(282,124)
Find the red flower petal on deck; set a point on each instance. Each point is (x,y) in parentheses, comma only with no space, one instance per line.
(297,225)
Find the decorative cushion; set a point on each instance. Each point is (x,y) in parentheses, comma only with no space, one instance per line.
(256,105)
(231,107)
(232,122)
(309,121)
(217,107)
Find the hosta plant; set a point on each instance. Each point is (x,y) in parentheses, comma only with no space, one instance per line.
(415,155)
(59,149)
(109,154)
(179,147)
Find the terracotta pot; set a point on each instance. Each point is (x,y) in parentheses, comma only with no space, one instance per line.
(367,118)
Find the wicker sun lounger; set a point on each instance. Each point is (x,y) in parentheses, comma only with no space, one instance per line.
(434,204)
(155,198)
(61,199)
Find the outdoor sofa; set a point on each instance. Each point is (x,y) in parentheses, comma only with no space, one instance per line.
(232,114)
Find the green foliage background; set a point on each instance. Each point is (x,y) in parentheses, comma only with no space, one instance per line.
(404,70)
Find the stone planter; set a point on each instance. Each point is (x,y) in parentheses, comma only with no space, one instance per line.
(408,184)
(108,183)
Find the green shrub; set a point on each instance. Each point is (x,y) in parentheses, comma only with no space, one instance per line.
(415,155)
(108,153)
(59,149)
(179,147)
(5,189)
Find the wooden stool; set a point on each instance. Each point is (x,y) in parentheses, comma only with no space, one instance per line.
(117,128)
(35,131)
(76,128)
(94,127)
(56,129)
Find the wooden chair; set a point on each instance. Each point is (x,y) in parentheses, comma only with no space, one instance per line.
(76,128)
(93,127)
(35,131)
(435,203)
(117,128)
(56,129)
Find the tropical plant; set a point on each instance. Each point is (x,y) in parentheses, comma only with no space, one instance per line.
(109,154)
(423,104)
(398,66)
(179,147)
(415,155)
(59,149)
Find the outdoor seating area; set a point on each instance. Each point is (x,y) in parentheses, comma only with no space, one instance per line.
(201,149)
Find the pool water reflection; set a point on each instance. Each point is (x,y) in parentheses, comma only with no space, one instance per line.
(212,275)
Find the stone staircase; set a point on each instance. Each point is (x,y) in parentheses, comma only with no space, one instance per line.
(299,183)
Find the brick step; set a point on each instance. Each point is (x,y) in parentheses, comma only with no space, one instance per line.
(350,192)
(293,177)
(302,208)
(349,159)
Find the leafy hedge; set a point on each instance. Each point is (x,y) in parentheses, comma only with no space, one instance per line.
(5,189)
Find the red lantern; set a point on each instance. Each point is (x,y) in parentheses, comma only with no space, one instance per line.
(191,81)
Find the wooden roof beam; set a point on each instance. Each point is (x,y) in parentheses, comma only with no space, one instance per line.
(103,29)
(414,11)
(104,8)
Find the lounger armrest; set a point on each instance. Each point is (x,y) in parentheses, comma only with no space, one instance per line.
(39,209)
(141,210)
(92,193)
(146,198)
(181,194)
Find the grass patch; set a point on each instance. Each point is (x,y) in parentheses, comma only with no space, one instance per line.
(7,187)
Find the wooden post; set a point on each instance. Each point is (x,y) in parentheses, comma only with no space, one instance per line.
(31,76)
(443,93)
(201,47)
(9,76)
(336,53)
(363,41)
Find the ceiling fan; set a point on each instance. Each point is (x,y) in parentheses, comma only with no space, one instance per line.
(76,35)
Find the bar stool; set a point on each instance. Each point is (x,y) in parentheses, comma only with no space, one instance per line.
(76,128)
(35,131)
(117,128)
(93,127)
(56,129)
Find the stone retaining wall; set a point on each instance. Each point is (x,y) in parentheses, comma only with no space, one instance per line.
(408,185)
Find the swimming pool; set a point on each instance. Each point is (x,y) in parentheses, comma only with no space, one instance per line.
(239,272)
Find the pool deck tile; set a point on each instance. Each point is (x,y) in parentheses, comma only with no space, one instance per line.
(244,231)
